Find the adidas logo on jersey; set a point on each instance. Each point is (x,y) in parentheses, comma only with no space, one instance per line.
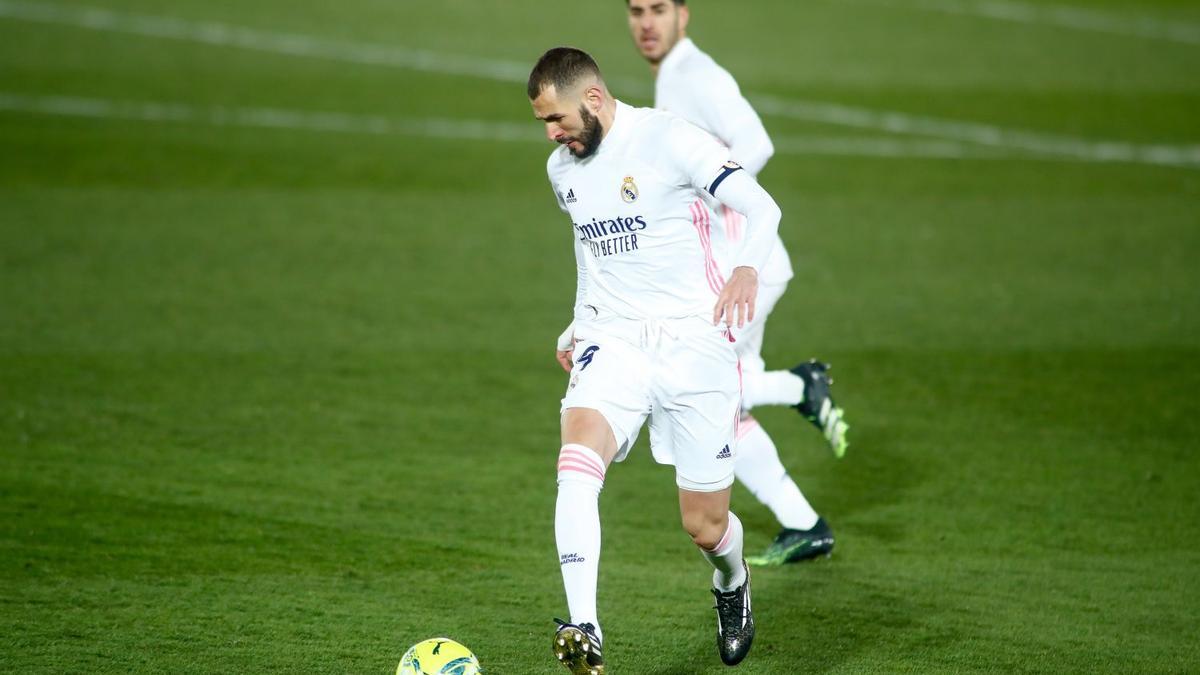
(570,198)
(724,453)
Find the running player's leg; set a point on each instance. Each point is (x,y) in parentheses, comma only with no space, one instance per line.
(696,409)
(760,387)
(717,532)
(804,534)
(805,387)
(605,406)
(758,466)
(588,447)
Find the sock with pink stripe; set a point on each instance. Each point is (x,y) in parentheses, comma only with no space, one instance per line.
(757,466)
(726,558)
(577,529)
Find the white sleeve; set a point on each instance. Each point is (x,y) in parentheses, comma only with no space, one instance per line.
(566,340)
(581,277)
(738,190)
(732,119)
(558,198)
(693,155)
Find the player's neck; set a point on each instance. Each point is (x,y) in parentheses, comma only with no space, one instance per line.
(655,66)
(607,114)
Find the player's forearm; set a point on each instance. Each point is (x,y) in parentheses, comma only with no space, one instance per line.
(740,192)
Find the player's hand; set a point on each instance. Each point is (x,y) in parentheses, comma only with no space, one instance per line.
(737,297)
(565,358)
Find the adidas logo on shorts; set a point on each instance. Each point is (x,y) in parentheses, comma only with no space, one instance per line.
(724,453)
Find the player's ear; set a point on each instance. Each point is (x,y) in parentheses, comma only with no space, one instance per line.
(593,98)
(683,18)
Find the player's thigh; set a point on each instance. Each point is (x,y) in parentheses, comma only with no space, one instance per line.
(609,379)
(697,403)
(590,428)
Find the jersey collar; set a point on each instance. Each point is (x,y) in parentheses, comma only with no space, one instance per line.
(682,49)
(622,118)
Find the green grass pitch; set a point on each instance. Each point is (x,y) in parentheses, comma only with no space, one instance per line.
(277,392)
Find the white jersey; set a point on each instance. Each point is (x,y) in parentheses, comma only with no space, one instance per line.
(642,242)
(691,85)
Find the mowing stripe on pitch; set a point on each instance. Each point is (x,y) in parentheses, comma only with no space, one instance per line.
(1059,16)
(980,134)
(475,130)
(268,118)
(276,42)
(221,34)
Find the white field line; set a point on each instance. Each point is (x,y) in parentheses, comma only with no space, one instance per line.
(507,71)
(981,134)
(844,146)
(1061,16)
(269,118)
(275,42)
(450,129)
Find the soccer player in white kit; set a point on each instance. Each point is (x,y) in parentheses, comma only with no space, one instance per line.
(691,85)
(651,335)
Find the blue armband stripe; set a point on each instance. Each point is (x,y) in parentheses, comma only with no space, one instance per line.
(712,189)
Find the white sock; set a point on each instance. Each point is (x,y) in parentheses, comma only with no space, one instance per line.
(726,558)
(577,528)
(757,466)
(776,387)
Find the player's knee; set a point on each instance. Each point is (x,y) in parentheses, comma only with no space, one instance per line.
(579,464)
(706,529)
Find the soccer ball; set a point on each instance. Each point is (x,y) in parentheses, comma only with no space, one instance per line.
(438,656)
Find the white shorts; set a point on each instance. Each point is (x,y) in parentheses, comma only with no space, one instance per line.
(682,375)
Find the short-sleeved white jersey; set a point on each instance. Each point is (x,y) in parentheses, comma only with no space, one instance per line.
(693,86)
(642,240)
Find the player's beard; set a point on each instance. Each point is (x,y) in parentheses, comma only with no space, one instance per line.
(590,136)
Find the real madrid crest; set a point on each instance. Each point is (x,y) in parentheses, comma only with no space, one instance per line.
(629,191)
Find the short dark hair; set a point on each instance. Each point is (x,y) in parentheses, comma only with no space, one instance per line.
(677,2)
(561,67)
